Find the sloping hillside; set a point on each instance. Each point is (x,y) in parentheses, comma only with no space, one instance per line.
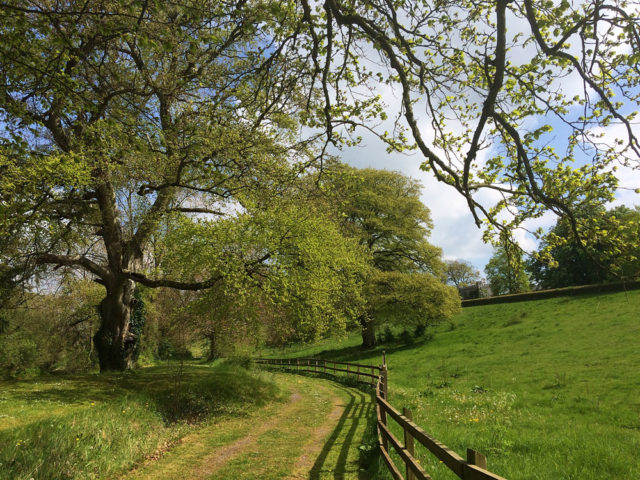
(547,389)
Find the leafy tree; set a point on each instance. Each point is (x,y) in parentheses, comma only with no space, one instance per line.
(383,211)
(563,261)
(307,277)
(483,88)
(505,272)
(408,298)
(120,119)
(461,273)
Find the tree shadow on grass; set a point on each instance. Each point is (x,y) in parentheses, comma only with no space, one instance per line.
(334,456)
(357,353)
(192,395)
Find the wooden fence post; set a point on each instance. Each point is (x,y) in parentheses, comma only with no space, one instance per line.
(383,394)
(385,376)
(476,458)
(408,443)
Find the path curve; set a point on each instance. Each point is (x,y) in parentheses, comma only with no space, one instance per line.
(219,457)
(314,435)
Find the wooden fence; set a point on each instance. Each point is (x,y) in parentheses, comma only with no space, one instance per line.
(473,468)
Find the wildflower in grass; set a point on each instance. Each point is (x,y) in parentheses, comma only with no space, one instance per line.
(93,404)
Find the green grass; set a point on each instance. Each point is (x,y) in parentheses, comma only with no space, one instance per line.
(98,426)
(269,442)
(547,389)
(222,422)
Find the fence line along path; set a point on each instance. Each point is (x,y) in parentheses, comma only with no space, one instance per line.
(473,468)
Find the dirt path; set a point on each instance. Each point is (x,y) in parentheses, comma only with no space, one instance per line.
(218,457)
(313,447)
(315,435)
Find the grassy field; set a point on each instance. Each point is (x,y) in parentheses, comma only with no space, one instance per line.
(96,426)
(547,389)
(222,422)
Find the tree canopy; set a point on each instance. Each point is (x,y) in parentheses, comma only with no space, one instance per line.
(383,212)
(506,273)
(530,104)
(121,121)
(461,273)
(615,255)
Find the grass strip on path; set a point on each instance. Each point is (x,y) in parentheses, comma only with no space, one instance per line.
(316,434)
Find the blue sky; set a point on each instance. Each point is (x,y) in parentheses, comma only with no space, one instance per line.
(454,229)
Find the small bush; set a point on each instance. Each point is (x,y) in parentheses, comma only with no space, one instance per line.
(242,361)
(17,356)
(406,337)
(420,330)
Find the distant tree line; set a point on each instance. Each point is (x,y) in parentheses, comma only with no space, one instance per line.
(613,255)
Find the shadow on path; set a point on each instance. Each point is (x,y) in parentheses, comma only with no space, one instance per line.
(333,460)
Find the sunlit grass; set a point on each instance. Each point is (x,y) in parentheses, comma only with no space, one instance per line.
(94,426)
(547,389)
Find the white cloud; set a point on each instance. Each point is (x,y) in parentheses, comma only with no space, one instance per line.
(454,229)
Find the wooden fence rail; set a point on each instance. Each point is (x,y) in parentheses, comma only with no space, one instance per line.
(473,468)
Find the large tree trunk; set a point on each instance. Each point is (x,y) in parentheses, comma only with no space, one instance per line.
(213,347)
(368,332)
(115,343)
